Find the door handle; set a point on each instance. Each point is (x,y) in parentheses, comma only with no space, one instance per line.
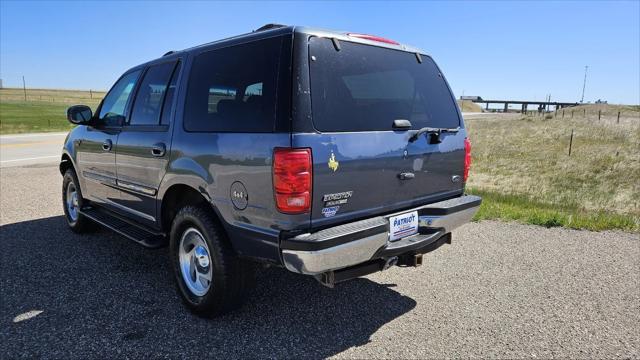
(107,145)
(158,150)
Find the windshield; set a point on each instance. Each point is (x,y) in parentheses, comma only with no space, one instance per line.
(366,88)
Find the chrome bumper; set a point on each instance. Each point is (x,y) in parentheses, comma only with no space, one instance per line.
(357,242)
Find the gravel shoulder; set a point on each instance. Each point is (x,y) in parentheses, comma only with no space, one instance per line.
(501,290)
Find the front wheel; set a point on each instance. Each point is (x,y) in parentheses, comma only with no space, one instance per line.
(210,278)
(72,202)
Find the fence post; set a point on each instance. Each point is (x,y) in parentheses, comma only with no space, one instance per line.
(572,114)
(24,87)
(618,117)
(570,142)
(584,112)
(90,94)
(599,113)
(563,113)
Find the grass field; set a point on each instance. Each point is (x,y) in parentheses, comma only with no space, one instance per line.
(44,110)
(521,165)
(469,106)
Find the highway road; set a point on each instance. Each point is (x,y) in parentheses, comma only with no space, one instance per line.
(30,149)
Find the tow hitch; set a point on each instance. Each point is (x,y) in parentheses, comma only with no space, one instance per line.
(414,260)
(330,278)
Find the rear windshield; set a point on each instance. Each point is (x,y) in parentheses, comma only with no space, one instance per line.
(366,88)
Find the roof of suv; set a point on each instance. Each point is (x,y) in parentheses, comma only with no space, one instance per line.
(271,30)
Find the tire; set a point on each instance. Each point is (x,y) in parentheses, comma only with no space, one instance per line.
(199,251)
(72,202)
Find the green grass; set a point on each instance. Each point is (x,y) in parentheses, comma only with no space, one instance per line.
(522,167)
(44,110)
(529,156)
(32,117)
(496,206)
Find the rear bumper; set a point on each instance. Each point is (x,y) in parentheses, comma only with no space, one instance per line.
(358,242)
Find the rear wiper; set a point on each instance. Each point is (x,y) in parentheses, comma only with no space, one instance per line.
(434,133)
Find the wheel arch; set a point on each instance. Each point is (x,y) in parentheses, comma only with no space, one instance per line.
(66,163)
(177,196)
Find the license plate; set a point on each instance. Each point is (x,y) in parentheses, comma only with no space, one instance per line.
(403,225)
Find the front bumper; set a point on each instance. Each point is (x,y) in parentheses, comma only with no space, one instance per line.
(358,242)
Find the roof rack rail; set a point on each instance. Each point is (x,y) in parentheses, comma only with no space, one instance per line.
(168,53)
(269,27)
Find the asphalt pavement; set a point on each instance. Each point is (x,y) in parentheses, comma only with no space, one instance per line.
(501,290)
(29,149)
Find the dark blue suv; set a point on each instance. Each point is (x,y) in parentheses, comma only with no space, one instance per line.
(331,154)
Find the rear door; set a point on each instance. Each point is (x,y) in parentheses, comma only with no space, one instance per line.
(362,165)
(142,150)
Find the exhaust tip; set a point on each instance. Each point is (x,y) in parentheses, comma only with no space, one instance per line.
(327,279)
(392,261)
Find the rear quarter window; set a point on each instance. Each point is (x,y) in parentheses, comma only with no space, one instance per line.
(235,89)
(366,88)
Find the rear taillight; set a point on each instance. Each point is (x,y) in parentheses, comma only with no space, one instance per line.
(374,38)
(292,179)
(467,159)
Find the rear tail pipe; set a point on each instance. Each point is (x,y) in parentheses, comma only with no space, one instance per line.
(392,261)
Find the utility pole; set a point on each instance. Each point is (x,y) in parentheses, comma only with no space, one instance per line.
(548,107)
(24,87)
(584,83)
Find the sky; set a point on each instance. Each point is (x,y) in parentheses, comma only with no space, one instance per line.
(513,50)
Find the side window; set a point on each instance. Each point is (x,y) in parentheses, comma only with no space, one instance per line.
(147,106)
(115,103)
(167,107)
(234,89)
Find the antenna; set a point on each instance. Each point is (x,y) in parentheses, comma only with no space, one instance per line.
(584,83)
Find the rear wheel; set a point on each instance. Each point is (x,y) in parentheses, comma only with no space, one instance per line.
(210,278)
(72,202)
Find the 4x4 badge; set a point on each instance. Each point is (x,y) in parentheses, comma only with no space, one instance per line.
(333,163)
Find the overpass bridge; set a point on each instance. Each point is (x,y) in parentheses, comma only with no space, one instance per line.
(541,105)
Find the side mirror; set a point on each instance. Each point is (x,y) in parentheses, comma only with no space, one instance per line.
(79,114)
